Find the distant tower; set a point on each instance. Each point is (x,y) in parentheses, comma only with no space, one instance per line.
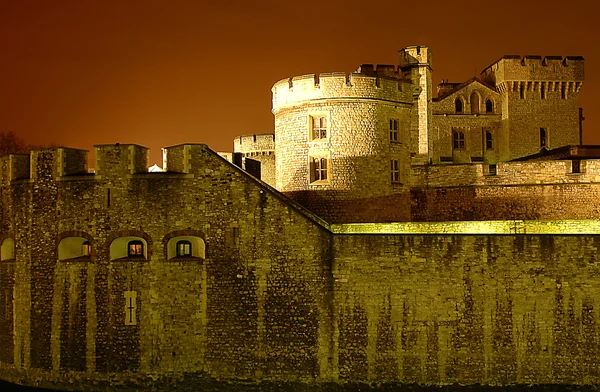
(415,63)
(540,107)
(259,147)
(342,140)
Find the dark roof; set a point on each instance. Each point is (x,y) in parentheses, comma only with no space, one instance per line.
(464,84)
(564,152)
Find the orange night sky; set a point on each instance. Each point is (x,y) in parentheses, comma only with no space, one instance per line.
(159,73)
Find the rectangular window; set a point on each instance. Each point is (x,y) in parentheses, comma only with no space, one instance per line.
(318,169)
(493,170)
(576,166)
(130,307)
(394,130)
(458,140)
(522,91)
(563,92)
(543,92)
(318,127)
(394,170)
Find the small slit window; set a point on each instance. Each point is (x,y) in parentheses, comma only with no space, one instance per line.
(184,249)
(394,130)
(543,138)
(86,248)
(135,249)
(489,141)
(522,91)
(395,171)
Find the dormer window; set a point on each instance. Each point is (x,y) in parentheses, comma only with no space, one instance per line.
(135,249)
(86,248)
(184,249)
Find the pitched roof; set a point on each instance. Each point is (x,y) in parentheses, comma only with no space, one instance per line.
(462,85)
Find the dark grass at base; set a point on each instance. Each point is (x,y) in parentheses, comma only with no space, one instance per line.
(216,386)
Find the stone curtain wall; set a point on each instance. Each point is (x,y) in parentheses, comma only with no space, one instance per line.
(467,309)
(256,307)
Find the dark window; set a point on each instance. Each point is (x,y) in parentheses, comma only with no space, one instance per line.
(184,248)
(135,249)
(489,141)
(458,139)
(522,91)
(489,106)
(576,166)
(458,105)
(318,169)
(395,172)
(319,128)
(86,248)
(543,138)
(563,92)
(543,92)
(393,130)
(493,170)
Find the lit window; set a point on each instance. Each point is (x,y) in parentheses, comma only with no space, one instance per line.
(458,139)
(395,172)
(135,249)
(393,130)
(86,248)
(318,169)
(489,141)
(458,105)
(489,106)
(184,249)
(319,127)
(543,138)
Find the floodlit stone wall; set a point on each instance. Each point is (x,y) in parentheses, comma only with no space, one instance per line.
(260,148)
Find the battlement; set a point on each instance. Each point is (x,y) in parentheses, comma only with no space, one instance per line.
(535,68)
(119,159)
(412,56)
(251,143)
(44,163)
(337,85)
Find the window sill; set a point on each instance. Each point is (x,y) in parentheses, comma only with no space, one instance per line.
(131,258)
(319,183)
(185,258)
(8,260)
(77,259)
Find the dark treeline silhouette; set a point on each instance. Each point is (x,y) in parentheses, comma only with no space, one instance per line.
(10,143)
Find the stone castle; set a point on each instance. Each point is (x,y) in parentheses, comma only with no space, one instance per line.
(379,236)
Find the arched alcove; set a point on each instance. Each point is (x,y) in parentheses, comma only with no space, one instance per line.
(7,251)
(459,105)
(129,247)
(475,102)
(73,248)
(196,243)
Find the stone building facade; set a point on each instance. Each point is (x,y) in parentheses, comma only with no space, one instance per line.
(351,147)
(453,267)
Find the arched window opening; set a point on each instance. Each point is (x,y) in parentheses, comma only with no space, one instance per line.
(489,106)
(184,248)
(8,249)
(543,138)
(135,249)
(74,248)
(489,141)
(125,247)
(475,102)
(458,105)
(86,248)
(458,139)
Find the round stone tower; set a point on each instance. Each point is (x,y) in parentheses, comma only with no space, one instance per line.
(342,141)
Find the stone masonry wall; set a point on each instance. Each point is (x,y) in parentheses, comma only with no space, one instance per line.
(255,306)
(494,310)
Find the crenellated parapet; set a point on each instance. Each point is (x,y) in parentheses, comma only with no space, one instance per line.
(120,159)
(257,143)
(366,83)
(532,73)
